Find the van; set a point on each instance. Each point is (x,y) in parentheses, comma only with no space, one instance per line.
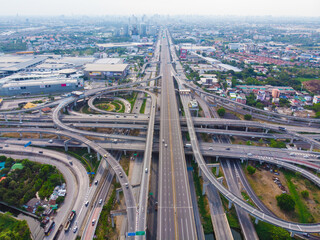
(146,170)
(117,116)
(93,222)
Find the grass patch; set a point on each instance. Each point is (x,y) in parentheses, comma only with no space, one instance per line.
(247,198)
(303,212)
(305,79)
(143,106)
(104,228)
(132,99)
(230,213)
(267,231)
(122,107)
(202,202)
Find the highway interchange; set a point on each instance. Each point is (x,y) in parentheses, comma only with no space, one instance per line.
(177,217)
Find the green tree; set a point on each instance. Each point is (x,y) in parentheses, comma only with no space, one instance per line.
(305,194)
(251,170)
(278,233)
(247,117)
(285,202)
(221,112)
(277,144)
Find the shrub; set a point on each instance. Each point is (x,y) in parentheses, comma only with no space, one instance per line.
(247,117)
(305,194)
(285,202)
(221,112)
(251,170)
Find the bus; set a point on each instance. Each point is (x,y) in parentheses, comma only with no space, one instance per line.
(49,228)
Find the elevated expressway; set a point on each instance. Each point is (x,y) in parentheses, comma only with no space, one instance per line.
(175,213)
(290,226)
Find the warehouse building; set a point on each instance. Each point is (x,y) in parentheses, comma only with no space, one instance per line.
(106,71)
(41,86)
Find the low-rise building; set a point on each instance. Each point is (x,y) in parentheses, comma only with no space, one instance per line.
(316,99)
(106,71)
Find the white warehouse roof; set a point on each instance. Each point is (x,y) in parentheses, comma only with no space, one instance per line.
(105,67)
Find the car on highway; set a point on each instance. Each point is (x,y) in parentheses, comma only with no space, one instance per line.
(50,141)
(210,148)
(6,145)
(86,203)
(166,145)
(96,182)
(120,174)
(75,229)
(19,139)
(292,154)
(146,170)
(71,163)
(93,222)
(227,148)
(249,154)
(100,201)
(127,185)
(305,156)
(41,152)
(162,140)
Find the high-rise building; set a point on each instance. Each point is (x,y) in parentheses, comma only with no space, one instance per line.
(275,93)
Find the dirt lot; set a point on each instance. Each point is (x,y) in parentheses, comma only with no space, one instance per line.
(265,188)
(312,86)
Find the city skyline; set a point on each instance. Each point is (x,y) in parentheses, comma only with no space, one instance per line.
(307,8)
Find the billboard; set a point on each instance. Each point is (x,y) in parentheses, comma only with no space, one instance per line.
(183,53)
(95,73)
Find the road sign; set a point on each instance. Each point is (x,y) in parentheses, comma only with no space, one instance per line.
(135,154)
(151,193)
(27,144)
(140,233)
(189,168)
(90,172)
(131,234)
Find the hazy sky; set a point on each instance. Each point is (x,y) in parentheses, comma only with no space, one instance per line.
(124,7)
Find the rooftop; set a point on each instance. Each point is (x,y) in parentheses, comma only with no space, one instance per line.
(105,67)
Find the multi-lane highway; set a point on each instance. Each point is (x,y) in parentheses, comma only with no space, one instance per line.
(175,214)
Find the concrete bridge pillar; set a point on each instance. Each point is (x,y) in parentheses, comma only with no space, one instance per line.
(260,161)
(230,204)
(40,113)
(5,117)
(246,129)
(65,146)
(217,158)
(267,130)
(112,221)
(59,137)
(217,170)
(117,195)
(256,221)
(20,118)
(227,127)
(311,147)
(125,152)
(64,109)
(40,135)
(204,186)
(291,234)
(199,172)
(291,140)
(75,103)
(220,180)
(89,149)
(98,156)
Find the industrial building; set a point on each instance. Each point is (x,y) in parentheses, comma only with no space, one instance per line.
(40,83)
(106,71)
(10,64)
